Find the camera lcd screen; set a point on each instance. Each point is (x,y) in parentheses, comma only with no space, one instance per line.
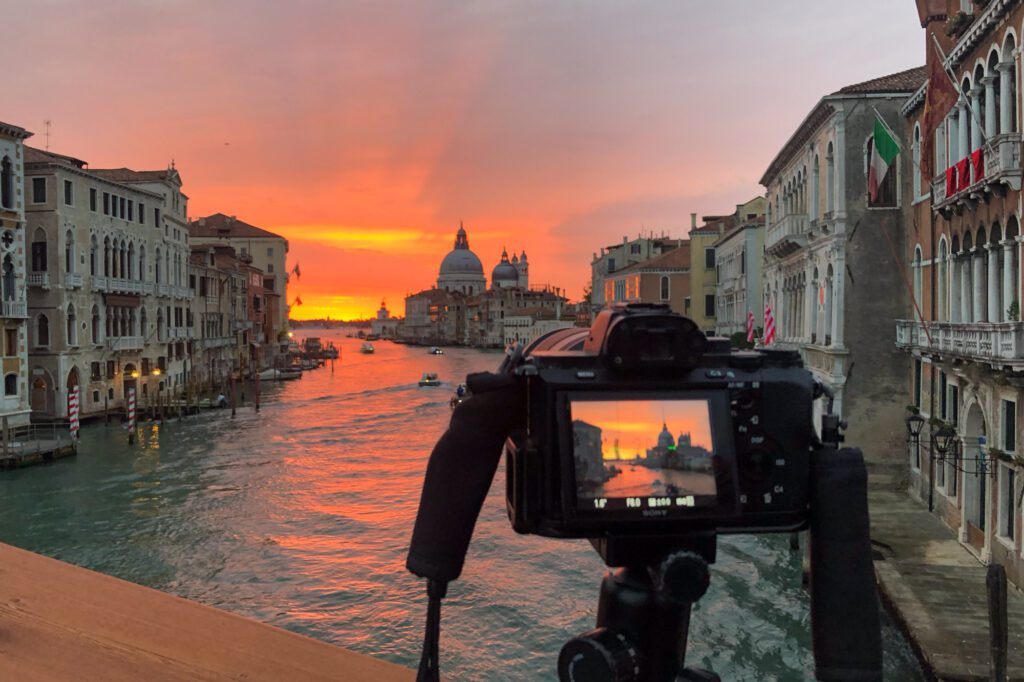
(643,455)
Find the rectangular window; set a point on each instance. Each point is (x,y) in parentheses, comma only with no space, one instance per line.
(743,262)
(917,383)
(1009,425)
(142,213)
(156,218)
(69,193)
(611,265)
(634,249)
(709,305)
(270,267)
(145,367)
(709,258)
(270,252)
(664,288)
(943,395)
(11,342)
(38,190)
(106,203)
(954,405)
(92,199)
(1007,497)
(94,373)
(122,201)
(131,210)
(110,369)
(686,305)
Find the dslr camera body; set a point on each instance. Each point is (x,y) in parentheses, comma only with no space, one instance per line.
(642,425)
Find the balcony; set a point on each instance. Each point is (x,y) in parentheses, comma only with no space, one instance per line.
(243,325)
(999,344)
(18,309)
(999,168)
(124,286)
(181,292)
(39,279)
(787,235)
(218,342)
(827,360)
(163,289)
(125,343)
(72,280)
(100,283)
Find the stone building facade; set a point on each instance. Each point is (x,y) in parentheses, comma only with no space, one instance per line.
(831,274)
(14,401)
(739,257)
(108,303)
(662,279)
(964,341)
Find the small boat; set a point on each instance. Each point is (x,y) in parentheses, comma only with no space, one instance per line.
(461,393)
(373,337)
(275,374)
(366,348)
(434,350)
(430,379)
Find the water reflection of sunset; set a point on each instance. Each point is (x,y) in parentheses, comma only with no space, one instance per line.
(633,425)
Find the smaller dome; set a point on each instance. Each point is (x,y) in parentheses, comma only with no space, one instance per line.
(504,271)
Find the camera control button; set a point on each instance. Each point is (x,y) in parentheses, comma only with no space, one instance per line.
(758,465)
(714,373)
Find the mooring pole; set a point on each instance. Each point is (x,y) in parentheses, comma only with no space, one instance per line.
(995,582)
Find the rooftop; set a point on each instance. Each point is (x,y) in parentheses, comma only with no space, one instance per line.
(33,155)
(129,175)
(14,131)
(225,226)
(903,81)
(676,259)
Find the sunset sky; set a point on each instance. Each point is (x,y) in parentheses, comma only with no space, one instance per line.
(365,130)
(637,423)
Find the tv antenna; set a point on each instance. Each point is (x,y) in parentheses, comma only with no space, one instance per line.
(46,123)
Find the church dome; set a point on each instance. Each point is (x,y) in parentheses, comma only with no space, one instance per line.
(504,271)
(461,260)
(665,439)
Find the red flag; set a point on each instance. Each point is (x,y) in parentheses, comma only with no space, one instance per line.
(939,99)
(978,163)
(963,174)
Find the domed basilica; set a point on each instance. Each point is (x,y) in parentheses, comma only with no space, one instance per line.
(462,272)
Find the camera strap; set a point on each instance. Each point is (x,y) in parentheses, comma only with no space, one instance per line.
(430,664)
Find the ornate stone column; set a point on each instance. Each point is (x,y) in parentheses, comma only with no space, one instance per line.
(991,123)
(965,288)
(978,309)
(975,116)
(839,304)
(994,314)
(953,131)
(1009,290)
(963,147)
(1005,98)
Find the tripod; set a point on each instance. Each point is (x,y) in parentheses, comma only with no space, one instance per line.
(643,620)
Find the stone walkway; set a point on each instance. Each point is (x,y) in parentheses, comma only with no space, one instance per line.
(936,589)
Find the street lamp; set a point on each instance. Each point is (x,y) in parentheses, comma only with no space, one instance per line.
(915,424)
(942,439)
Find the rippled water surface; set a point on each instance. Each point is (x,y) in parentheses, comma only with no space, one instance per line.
(299,516)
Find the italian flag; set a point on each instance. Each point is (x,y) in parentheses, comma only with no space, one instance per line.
(883,152)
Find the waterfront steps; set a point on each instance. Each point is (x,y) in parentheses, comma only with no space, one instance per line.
(936,589)
(59,622)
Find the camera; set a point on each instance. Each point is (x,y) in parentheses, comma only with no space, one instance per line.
(643,425)
(650,439)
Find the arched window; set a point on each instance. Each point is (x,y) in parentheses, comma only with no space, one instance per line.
(828,305)
(664,288)
(130,274)
(830,180)
(943,281)
(143,330)
(93,248)
(69,251)
(158,264)
(886,197)
(7,183)
(43,331)
(106,257)
(917,161)
(10,384)
(815,284)
(96,326)
(39,250)
(815,188)
(918,282)
(142,262)
(72,330)
(10,288)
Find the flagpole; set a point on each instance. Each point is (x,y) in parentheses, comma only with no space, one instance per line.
(952,79)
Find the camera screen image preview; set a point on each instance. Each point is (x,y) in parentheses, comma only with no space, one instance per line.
(643,455)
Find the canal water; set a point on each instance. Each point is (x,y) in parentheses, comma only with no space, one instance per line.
(299,515)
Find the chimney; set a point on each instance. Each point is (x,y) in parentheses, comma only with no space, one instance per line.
(693,221)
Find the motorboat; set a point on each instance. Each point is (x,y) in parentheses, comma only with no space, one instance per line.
(461,393)
(434,350)
(366,348)
(281,374)
(430,379)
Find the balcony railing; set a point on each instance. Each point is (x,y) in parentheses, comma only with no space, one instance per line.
(125,343)
(127,286)
(72,280)
(788,233)
(1000,164)
(100,283)
(15,309)
(39,279)
(163,289)
(1000,343)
